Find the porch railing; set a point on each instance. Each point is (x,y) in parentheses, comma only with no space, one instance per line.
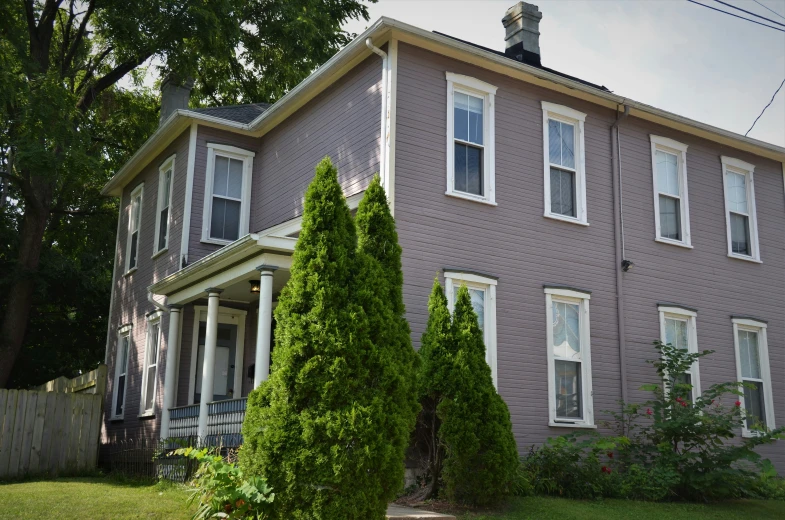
(224,418)
(184,421)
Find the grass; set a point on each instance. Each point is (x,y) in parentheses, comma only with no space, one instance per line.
(546,508)
(93,499)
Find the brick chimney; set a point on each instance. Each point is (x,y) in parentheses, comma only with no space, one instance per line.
(174,95)
(522,33)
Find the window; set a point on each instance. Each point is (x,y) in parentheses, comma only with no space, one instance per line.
(565,175)
(752,367)
(150,374)
(677,328)
(740,217)
(134,225)
(671,205)
(482,289)
(163,214)
(121,371)
(227,205)
(569,357)
(470,139)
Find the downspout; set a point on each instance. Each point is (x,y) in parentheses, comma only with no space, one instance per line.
(160,306)
(621,264)
(384,136)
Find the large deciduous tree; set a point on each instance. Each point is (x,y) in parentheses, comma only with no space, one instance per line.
(73,106)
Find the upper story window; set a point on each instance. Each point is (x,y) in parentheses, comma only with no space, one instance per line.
(740,216)
(677,328)
(150,373)
(470,139)
(565,163)
(134,226)
(752,368)
(671,205)
(482,290)
(121,371)
(227,193)
(163,212)
(569,357)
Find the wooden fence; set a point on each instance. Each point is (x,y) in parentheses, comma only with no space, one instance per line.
(93,382)
(48,432)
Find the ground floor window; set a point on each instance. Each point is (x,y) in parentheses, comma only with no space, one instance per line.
(752,367)
(150,373)
(121,371)
(677,328)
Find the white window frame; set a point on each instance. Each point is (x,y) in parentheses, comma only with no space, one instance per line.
(473,87)
(123,332)
(231,152)
(690,317)
(729,164)
(663,144)
(453,280)
(167,165)
(582,299)
(754,325)
(152,319)
(137,192)
(573,117)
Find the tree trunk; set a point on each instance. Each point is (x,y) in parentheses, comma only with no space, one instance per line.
(20,296)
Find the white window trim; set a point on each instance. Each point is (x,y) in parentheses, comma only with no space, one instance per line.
(765,371)
(680,313)
(123,332)
(747,169)
(228,316)
(453,279)
(474,87)
(678,149)
(140,191)
(167,165)
(152,319)
(231,152)
(581,298)
(577,119)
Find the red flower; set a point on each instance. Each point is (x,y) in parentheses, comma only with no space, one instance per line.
(610,454)
(684,404)
(738,403)
(606,469)
(648,411)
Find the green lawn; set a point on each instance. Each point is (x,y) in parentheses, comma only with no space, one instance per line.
(542,508)
(92,499)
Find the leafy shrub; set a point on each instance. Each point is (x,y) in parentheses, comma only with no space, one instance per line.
(223,491)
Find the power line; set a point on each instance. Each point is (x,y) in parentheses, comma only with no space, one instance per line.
(749,12)
(772,10)
(764,108)
(737,16)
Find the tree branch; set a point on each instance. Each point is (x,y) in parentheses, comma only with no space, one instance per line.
(80,213)
(108,80)
(79,35)
(91,66)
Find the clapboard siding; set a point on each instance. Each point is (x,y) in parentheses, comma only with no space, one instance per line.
(130,291)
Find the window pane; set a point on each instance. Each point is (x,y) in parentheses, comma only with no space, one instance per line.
(562,192)
(135,213)
(740,234)
(123,357)
(235,187)
(475,119)
(566,330)
(737,192)
(676,333)
(461,116)
(232,220)
(667,173)
(670,218)
(154,338)
(568,390)
(132,258)
(217,218)
(468,169)
(120,395)
(478,302)
(166,189)
(754,405)
(460,167)
(468,118)
(150,390)
(561,143)
(554,142)
(221,178)
(163,228)
(748,352)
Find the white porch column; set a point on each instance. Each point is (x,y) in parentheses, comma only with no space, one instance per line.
(264,328)
(208,365)
(172,348)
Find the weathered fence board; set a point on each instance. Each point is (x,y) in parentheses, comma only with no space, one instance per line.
(46,432)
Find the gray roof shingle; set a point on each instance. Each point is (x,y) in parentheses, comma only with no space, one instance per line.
(237,113)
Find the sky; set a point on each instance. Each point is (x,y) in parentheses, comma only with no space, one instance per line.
(671,54)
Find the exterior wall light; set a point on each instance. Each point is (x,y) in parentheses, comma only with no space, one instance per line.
(254,286)
(627,265)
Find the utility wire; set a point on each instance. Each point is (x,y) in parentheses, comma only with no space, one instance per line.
(737,16)
(749,12)
(772,10)
(764,108)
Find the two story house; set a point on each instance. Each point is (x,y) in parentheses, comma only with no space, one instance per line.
(548,196)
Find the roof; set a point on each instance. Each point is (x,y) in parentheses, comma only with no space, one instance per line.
(236,118)
(237,113)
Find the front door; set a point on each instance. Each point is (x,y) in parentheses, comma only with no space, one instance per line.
(223,383)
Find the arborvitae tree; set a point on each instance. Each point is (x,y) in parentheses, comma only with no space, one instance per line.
(481,454)
(312,429)
(436,351)
(380,291)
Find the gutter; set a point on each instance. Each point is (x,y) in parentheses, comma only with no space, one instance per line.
(621,262)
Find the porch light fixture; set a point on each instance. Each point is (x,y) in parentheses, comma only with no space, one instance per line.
(254,286)
(627,265)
